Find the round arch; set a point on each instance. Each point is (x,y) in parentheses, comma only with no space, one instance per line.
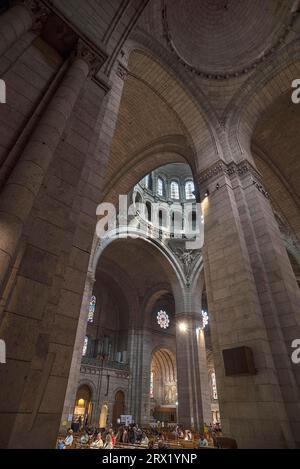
(118,405)
(174,269)
(256,96)
(198,113)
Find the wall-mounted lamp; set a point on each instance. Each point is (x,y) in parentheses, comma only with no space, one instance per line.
(182,326)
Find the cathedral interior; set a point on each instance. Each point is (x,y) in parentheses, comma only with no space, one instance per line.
(150,218)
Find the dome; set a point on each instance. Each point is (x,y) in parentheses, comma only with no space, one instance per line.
(225,37)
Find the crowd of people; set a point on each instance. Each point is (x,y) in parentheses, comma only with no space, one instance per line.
(109,438)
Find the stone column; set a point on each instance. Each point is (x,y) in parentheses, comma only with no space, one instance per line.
(144,387)
(18,20)
(251,405)
(23,185)
(276,284)
(192,374)
(73,379)
(139,356)
(135,358)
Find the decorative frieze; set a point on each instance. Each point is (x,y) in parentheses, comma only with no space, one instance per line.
(241,169)
(214,170)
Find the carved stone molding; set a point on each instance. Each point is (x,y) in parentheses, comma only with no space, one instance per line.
(86,53)
(214,170)
(187,258)
(232,169)
(122,71)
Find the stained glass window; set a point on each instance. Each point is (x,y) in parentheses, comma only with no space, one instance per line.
(189,190)
(85,345)
(92,308)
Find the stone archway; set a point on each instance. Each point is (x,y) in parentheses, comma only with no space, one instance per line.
(83,407)
(163,381)
(118,406)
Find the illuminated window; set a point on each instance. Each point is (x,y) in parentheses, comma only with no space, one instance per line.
(214,386)
(174,190)
(85,345)
(151,383)
(92,308)
(189,190)
(160,187)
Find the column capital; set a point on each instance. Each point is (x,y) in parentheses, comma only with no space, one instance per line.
(38,10)
(85,52)
(241,169)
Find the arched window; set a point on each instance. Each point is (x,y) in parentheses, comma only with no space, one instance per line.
(85,346)
(160,219)
(92,308)
(160,187)
(174,190)
(148,211)
(151,384)
(214,386)
(189,190)
(148,182)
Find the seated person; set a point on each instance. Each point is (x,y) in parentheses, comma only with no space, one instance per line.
(60,444)
(84,439)
(203,442)
(145,439)
(69,439)
(108,442)
(98,443)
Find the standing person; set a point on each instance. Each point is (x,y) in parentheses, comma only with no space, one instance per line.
(80,423)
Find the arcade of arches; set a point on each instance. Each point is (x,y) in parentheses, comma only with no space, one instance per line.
(186,308)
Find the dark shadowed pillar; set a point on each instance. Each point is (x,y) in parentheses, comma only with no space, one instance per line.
(18,20)
(23,185)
